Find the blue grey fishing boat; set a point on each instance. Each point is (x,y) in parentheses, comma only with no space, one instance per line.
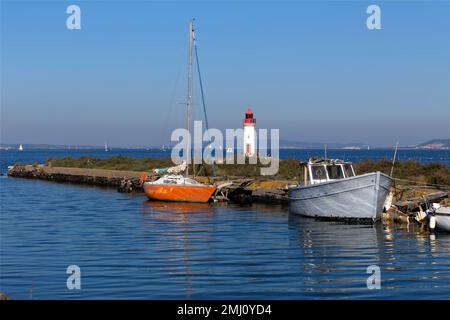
(331,189)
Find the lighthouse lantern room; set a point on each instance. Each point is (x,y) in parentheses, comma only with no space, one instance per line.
(249,134)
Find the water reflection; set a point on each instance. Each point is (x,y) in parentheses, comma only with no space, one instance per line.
(334,256)
(179,211)
(185,232)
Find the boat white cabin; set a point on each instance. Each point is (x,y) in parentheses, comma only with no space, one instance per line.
(323,170)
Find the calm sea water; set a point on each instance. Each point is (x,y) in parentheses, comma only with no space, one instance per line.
(128,247)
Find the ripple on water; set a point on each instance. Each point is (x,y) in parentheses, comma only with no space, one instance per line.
(128,247)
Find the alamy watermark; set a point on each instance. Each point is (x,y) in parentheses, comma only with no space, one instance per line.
(220,148)
(73,21)
(374,280)
(74,278)
(373,22)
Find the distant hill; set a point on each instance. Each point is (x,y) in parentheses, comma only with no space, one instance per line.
(12,146)
(286,144)
(440,144)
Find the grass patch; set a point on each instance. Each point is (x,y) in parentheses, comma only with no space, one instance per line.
(111,163)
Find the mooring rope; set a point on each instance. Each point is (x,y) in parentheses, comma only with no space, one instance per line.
(424,185)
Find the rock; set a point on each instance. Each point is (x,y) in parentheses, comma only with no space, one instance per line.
(3,296)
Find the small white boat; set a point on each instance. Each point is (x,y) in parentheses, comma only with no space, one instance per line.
(442,216)
(331,189)
(20,148)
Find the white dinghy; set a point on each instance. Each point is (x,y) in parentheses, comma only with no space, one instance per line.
(439,217)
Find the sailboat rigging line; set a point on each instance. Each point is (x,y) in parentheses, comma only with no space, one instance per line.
(189,96)
(203,97)
(424,184)
(201,85)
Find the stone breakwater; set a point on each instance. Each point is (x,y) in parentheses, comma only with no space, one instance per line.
(96,177)
(236,189)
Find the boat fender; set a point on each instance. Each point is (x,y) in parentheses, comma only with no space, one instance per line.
(143,178)
(432,222)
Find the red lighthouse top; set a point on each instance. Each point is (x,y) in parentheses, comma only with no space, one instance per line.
(249,117)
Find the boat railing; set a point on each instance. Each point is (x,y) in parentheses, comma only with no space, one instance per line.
(319,172)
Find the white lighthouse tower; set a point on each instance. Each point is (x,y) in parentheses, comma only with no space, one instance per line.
(249,134)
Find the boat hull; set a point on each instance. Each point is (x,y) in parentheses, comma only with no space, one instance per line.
(442,216)
(358,197)
(179,193)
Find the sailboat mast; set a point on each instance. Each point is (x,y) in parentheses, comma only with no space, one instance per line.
(188,118)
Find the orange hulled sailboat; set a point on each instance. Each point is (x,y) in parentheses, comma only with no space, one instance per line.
(176,187)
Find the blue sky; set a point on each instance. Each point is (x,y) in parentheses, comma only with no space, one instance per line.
(310,68)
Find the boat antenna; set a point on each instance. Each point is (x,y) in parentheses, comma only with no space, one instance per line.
(393,159)
(188,117)
(203,96)
(325,147)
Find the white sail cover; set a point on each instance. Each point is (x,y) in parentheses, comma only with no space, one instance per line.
(173,170)
(177,169)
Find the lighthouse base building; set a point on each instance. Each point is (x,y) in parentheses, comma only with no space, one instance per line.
(249,134)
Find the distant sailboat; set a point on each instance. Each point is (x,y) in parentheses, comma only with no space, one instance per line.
(106,147)
(20,148)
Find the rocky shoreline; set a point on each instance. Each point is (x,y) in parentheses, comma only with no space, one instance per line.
(96,177)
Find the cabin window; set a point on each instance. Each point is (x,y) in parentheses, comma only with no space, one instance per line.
(335,171)
(319,173)
(348,170)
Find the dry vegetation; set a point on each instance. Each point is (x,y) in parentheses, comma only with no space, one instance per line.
(432,173)
(111,163)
